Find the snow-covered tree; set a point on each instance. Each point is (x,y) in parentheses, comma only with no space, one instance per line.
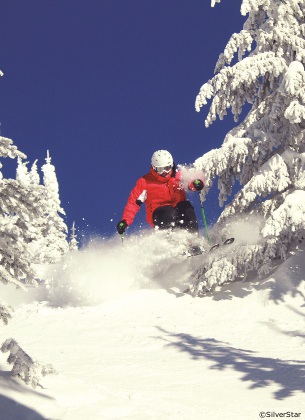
(26,177)
(53,242)
(19,207)
(264,155)
(73,244)
(22,174)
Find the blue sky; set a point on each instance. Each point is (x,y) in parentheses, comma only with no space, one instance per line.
(102,84)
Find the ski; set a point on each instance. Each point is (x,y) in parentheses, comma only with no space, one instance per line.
(228,241)
(197,250)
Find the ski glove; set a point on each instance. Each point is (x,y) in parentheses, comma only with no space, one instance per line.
(196,185)
(121,227)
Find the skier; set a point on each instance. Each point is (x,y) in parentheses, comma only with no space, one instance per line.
(166,204)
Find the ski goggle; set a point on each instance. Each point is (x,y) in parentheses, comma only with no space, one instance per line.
(162,169)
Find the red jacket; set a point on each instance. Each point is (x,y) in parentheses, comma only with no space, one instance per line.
(155,190)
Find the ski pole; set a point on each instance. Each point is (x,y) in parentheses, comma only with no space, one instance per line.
(204,218)
(122,238)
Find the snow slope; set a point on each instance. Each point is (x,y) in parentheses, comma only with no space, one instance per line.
(128,344)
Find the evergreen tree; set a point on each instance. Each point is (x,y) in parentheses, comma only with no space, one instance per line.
(265,153)
(26,177)
(22,173)
(20,206)
(73,244)
(53,243)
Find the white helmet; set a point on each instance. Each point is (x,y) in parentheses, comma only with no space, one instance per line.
(162,161)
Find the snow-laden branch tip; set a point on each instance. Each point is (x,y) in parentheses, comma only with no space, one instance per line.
(288,217)
(24,367)
(234,86)
(239,42)
(213,2)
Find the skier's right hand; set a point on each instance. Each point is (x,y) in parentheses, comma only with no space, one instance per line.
(121,227)
(196,185)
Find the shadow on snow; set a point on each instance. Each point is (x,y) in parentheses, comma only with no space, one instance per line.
(260,372)
(10,409)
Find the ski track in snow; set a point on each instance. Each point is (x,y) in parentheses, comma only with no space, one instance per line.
(128,344)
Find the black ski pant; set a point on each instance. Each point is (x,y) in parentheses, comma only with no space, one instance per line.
(182,216)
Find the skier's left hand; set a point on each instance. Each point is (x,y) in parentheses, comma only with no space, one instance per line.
(196,185)
(121,227)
